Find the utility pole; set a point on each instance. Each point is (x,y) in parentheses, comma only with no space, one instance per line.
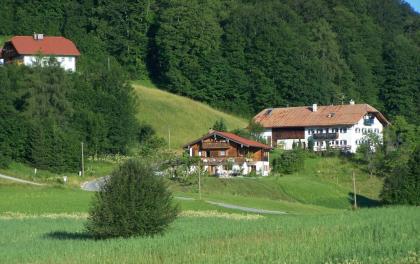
(83,162)
(199,183)
(169,137)
(354,191)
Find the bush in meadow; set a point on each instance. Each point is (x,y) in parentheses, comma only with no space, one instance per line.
(132,202)
(403,185)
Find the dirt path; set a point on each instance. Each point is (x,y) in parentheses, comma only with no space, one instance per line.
(246,209)
(19,180)
(93,186)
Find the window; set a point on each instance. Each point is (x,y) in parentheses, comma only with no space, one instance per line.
(357,130)
(364,130)
(370,130)
(377,130)
(319,130)
(337,142)
(345,142)
(326,130)
(335,130)
(222,153)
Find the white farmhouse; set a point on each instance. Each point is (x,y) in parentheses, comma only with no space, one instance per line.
(337,126)
(40,49)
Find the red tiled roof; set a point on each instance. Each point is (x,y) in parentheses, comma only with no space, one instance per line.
(325,116)
(27,45)
(233,137)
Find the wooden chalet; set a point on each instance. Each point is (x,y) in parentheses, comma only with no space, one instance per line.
(225,153)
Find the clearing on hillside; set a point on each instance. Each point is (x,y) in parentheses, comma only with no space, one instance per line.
(186,119)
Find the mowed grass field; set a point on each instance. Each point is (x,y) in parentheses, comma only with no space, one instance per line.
(324,181)
(183,118)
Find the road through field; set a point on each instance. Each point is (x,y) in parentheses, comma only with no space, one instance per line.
(93,186)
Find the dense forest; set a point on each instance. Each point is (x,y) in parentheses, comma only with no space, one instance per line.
(244,55)
(45,114)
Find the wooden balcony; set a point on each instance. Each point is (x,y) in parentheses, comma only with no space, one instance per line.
(215,145)
(225,160)
(325,136)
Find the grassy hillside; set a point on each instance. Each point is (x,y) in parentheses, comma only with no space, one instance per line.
(185,118)
(324,181)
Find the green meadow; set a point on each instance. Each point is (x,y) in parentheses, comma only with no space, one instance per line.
(46,224)
(183,118)
(385,235)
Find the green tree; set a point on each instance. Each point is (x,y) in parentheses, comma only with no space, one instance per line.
(133,202)
(220,125)
(403,186)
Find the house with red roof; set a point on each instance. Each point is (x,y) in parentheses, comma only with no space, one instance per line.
(40,50)
(225,154)
(343,127)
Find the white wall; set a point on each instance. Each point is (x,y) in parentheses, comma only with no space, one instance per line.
(68,63)
(263,168)
(267,133)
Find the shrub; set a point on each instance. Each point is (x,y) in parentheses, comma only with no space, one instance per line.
(403,185)
(220,125)
(132,202)
(289,161)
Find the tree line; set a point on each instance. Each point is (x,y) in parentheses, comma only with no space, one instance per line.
(45,114)
(245,55)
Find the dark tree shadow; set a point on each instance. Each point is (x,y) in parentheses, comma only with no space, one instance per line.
(363,201)
(64,235)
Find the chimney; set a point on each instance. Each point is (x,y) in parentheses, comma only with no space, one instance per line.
(38,36)
(352,102)
(314,107)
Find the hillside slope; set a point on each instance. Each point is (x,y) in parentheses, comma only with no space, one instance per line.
(186,119)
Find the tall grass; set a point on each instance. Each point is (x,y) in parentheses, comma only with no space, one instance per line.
(385,235)
(183,118)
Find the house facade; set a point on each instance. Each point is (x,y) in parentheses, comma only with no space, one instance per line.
(224,154)
(341,127)
(40,50)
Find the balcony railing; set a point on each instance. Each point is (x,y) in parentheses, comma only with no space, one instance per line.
(220,160)
(215,145)
(325,136)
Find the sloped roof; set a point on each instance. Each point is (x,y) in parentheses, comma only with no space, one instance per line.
(233,137)
(27,45)
(303,116)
